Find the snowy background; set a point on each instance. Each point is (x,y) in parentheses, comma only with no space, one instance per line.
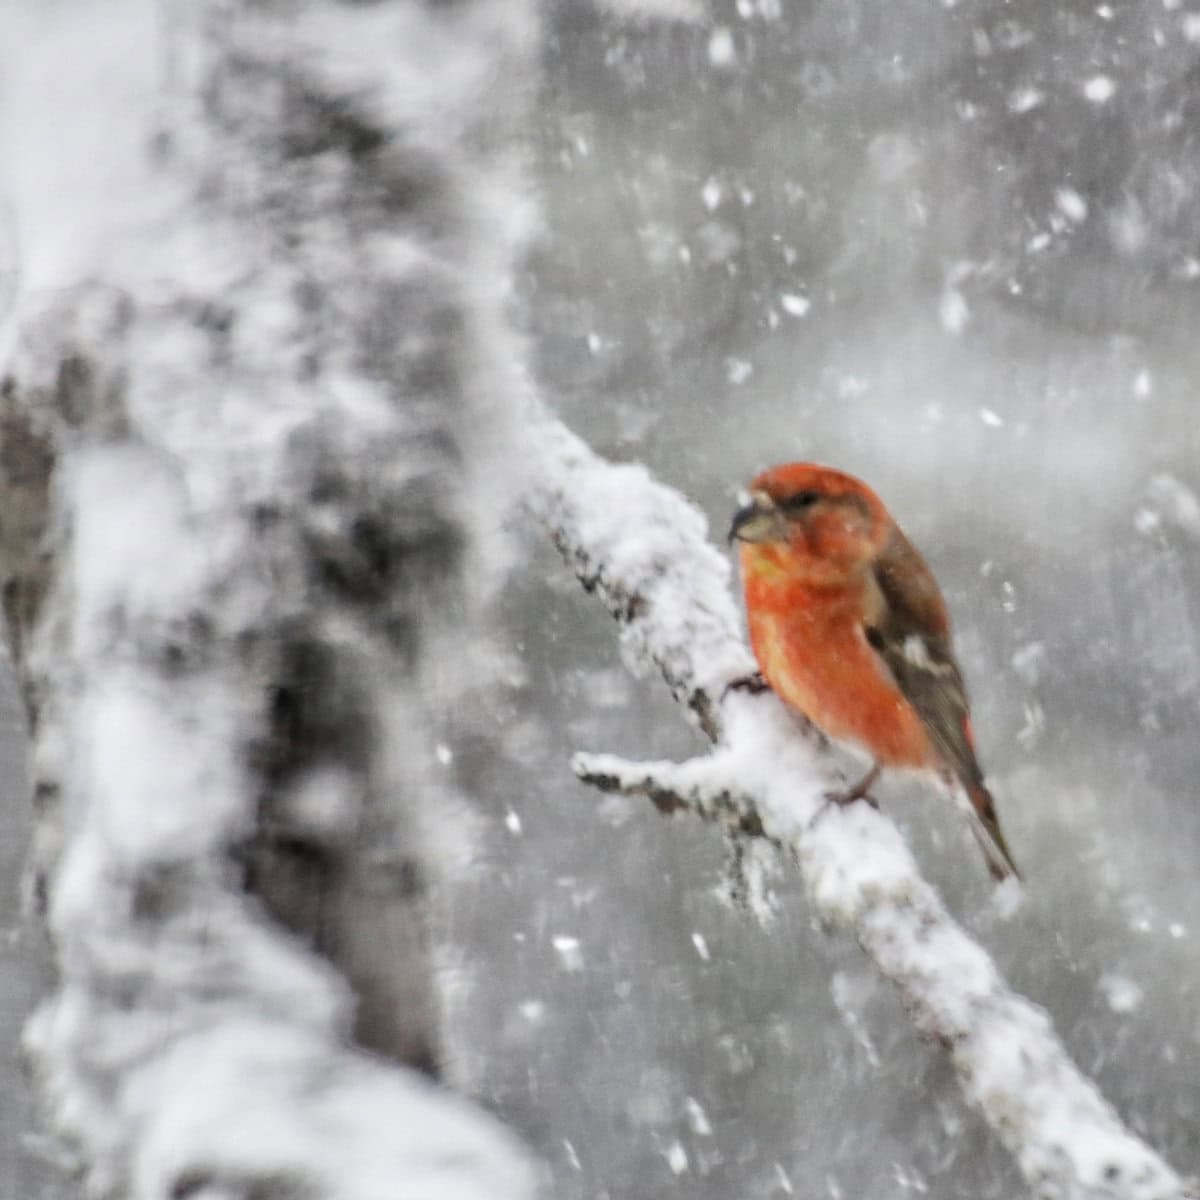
(954,248)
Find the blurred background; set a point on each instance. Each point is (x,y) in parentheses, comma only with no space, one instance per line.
(953,248)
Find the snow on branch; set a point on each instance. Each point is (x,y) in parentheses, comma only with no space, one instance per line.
(644,550)
(639,547)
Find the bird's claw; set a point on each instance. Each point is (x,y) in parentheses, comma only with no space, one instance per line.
(851,796)
(860,791)
(755,683)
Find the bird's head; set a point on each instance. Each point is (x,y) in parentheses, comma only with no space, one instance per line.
(813,521)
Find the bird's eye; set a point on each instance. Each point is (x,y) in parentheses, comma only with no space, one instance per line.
(802,500)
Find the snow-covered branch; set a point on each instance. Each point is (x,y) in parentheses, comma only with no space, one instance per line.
(644,550)
(673,787)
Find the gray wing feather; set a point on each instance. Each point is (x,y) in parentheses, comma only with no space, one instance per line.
(910,632)
(922,663)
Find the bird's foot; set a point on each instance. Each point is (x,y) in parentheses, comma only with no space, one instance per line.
(755,683)
(860,791)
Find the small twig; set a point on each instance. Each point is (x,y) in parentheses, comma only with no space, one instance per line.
(724,806)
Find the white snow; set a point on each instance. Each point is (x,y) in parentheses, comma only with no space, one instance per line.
(76,208)
(1026,99)
(569,951)
(160,781)
(721,50)
(677,1158)
(1146,521)
(850,993)
(697,1117)
(1099,89)
(1121,993)
(1071,204)
(365,1132)
(1029,662)
(626,534)
(134,544)
(353,52)
(953,311)
(685,12)
(794,305)
(1177,503)
(738,370)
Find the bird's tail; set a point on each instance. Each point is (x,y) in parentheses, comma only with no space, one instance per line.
(986,828)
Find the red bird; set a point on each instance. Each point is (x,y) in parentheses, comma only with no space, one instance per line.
(849,627)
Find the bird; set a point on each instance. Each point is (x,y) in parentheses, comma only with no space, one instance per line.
(850,629)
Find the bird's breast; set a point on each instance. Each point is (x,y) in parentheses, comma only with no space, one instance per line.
(813,651)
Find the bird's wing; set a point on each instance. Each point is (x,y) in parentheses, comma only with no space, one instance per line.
(910,631)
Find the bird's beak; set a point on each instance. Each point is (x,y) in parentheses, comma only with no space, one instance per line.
(757,521)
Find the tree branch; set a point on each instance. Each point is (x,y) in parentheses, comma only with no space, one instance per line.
(672,787)
(644,550)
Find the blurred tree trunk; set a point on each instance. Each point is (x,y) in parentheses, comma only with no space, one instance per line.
(251,399)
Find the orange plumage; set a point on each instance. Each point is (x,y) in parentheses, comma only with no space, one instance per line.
(849,627)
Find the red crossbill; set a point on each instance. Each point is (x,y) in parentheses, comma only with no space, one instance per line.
(849,627)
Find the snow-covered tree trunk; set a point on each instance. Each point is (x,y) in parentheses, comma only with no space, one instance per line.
(255,392)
